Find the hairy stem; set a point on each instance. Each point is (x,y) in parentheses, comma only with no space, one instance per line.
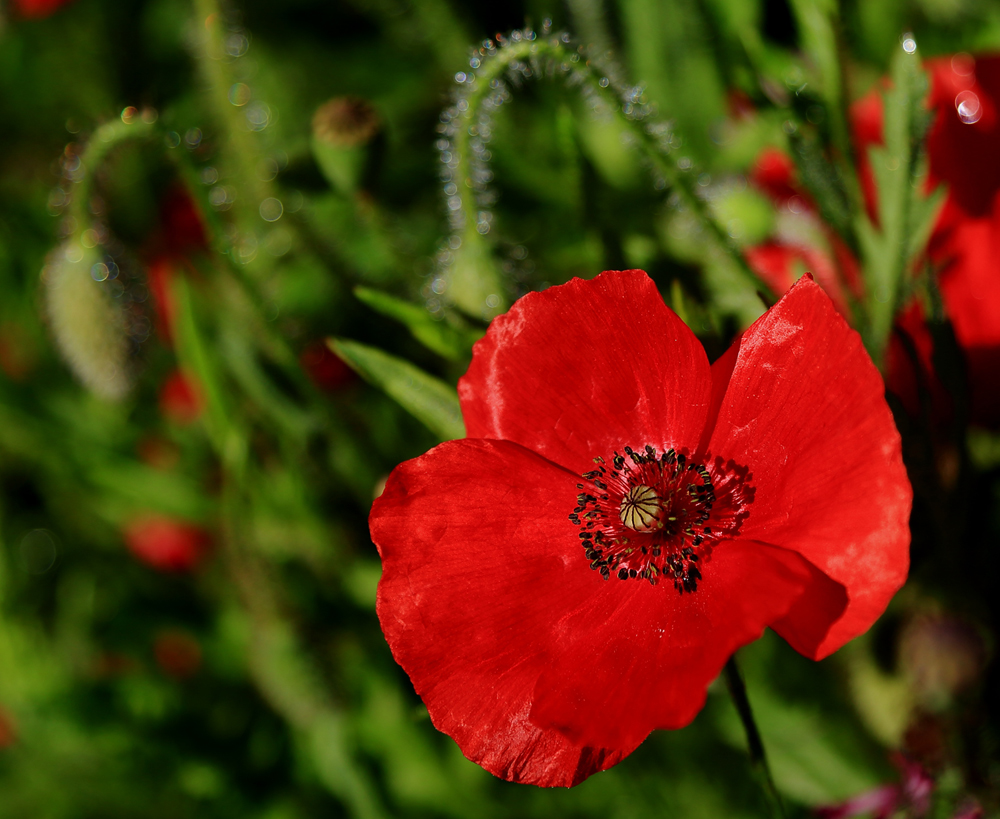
(525,55)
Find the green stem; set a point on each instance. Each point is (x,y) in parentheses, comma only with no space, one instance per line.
(645,130)
(105,139)
(240,141)
(758,759)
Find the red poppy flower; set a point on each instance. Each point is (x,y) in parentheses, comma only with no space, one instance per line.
(623,517)
(38,8)
(180,236)
(774,173)
(965,244)
(166,544)
(961,145)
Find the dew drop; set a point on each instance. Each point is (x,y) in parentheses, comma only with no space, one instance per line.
(969,109)
(271,209)
(239,94)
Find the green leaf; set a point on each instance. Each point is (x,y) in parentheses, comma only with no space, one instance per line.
(445,339)
(428,399)
(816,20)
(923,216)
(904,214)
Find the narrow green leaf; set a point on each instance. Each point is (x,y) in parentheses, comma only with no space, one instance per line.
(193,354)
(448,341)
(923,217)
(904,214)
(815,19)
(428,399)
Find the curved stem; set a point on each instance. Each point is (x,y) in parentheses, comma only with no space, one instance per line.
(524,47)
(105,139)
(758,759)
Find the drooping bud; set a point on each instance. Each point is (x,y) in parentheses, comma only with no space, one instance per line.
(87,322)
(470,278)
(343,131)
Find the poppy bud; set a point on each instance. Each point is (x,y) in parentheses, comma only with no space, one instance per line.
(167,544)
(470,279)
(343,132)
(87,322)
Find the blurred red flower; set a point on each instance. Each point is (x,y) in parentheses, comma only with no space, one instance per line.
(765,490)
(181,233)
(964,245)
(325,368)
(966,241)
(180,398)
(774,173)
(167,544)
(34,9)
(182,228)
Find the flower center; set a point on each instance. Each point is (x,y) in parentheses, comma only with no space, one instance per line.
(641,509)
(648,515)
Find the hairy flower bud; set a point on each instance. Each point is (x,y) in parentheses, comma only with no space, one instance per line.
(87,323)
(343,130)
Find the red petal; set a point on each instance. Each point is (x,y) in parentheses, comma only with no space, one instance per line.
(539,669)
(636,659)
(968,248)
(480,565)
(774,173)
(572,373)
(804,409)
(774,262)
(963,154)
(969,283)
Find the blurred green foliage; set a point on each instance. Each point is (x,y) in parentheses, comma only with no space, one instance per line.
(290,705)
